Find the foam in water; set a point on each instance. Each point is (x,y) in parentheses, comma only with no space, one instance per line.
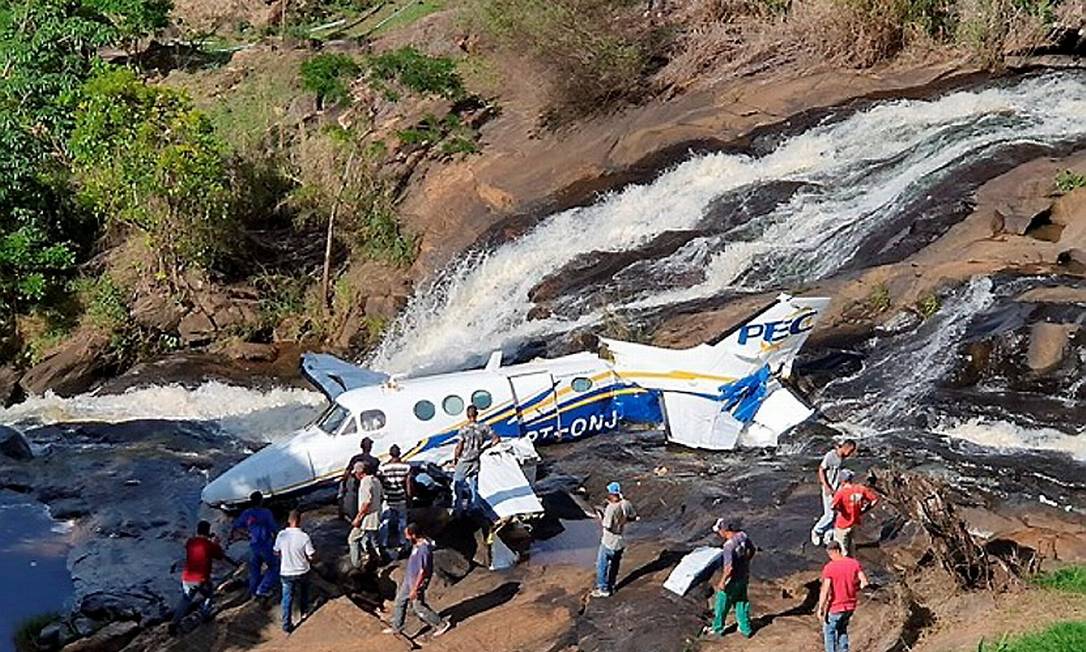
(864,168)
(237,410)
(1009,436)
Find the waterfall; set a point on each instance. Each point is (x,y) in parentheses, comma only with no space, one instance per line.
(861,171)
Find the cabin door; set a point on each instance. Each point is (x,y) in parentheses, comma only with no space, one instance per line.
(537,409)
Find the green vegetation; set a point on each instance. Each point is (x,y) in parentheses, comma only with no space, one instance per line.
(879,299)
(1061,637)
(928,305)
(402,16)
(594,59)
(1068,180)
(450,134)
(144,157)
(1071,579)
(418,72)
(327,76)
(26,631)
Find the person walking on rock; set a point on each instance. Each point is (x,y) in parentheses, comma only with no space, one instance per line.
(200,553)
(828,472)
(367,520)
(475,437)
(731,590)
(395,476)
(296,553)
(616,515)
(412,591)
(850,503)
(261,527)
(842,578)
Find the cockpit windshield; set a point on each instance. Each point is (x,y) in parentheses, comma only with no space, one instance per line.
(333,418)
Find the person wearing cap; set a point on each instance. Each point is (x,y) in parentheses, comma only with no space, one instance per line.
(842,578)
(365,456)
(850,502)
(731,590)
(616,515)
(829,471)
(367,521)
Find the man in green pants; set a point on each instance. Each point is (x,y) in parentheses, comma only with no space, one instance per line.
(731,590)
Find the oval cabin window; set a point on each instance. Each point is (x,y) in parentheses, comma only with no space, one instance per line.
(424,410)
(372,420)
(453,405)
(482,399)
(581,384)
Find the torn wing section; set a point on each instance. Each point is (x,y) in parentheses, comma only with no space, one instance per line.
(333,376)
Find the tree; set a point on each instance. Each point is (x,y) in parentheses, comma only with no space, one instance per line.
(144,157)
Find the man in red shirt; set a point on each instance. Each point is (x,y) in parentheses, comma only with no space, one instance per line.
(849,504)
(842,578)
(200,552)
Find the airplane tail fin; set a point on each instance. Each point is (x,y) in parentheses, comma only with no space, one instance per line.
(774,336)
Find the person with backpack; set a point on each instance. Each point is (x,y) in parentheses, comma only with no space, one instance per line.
(731,590)
(259,523)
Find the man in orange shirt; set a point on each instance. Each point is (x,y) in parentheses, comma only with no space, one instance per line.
(849,504)
(200,552)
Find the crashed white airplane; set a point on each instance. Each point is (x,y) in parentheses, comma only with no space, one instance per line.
(709,396)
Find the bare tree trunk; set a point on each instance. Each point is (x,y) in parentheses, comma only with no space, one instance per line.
(326,274)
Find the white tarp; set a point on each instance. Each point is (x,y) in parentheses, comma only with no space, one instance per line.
(694,567)
(502,483)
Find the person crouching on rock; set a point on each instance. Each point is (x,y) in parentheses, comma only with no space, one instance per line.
(367,520)
(850,503)
(261,527)
(420,568)
(731,590)
(200,553)
(842,578)
(618,512)
(296,552)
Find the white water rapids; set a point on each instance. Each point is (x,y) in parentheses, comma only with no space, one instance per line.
(863,167)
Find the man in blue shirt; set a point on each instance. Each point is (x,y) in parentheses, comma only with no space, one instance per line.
(420,567)
(259,523)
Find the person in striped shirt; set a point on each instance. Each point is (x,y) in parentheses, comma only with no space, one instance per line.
(395,476)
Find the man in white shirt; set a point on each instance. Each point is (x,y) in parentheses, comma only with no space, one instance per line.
(296,552)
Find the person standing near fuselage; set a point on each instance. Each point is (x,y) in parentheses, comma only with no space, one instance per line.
(296,553)
(475,437)
(261,527)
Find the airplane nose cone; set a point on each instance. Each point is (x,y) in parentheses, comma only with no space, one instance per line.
(276,469)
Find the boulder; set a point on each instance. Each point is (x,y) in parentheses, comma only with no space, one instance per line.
(1047,345)
(13,445)
(385,307)
(251,351)
(55,635)
(10,392)
(195,328)
(111,638)
(1074,260)
(157,311)
(71,369)
(1016,215)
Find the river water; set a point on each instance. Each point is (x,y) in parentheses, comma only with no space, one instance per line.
(843,193)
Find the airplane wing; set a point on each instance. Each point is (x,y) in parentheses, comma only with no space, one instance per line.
(502,483)
(333,376)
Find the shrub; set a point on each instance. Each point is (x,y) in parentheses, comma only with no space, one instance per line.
(327,75)
(449,134)
(1061,637)
(928,305)
(419,72)
(596,59)
(145,158)
(26,631)
(1068,180)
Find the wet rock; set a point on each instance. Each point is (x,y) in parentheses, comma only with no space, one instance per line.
(71,369)
(13,445)
(111,638)
(1047,344)
(55,635)
(1074,260)
(157,311)
(252,351)
(450,565)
